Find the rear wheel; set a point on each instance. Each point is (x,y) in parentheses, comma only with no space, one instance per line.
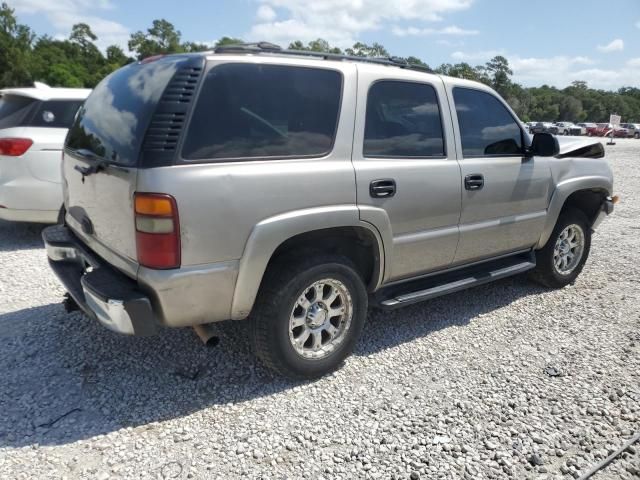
(309,315)
(637,135)
(561,260)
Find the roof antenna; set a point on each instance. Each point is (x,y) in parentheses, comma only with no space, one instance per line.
(41,85)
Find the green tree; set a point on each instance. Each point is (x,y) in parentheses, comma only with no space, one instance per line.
(500,74)
(15,49)
(360,49)
(161,38)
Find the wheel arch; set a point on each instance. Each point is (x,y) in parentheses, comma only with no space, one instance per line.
(335,229)
(585,194)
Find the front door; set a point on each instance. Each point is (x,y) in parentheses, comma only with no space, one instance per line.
(406,168)
(505,193)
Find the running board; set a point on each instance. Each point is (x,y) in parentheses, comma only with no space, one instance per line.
(448,282)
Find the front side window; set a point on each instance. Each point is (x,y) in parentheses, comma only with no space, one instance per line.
(403,120)
(55,113)
(257,111)
(486,126)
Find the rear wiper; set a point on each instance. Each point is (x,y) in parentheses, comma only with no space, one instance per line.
(97,163)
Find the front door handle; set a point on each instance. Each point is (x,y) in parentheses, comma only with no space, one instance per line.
(474,181)
(383,188)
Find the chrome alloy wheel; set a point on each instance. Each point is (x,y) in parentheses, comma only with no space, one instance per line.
(320,319)
(568,249)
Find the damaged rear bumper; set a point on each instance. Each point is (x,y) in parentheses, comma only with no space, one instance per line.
(102,292)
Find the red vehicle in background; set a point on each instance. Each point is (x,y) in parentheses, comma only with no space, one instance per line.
(603,129)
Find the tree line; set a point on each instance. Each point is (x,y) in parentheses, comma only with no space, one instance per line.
(77,62)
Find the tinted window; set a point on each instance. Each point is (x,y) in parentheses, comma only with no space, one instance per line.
(55,113)
(249,110)
(13,109)
(403,120)
(486,126)
(113,120)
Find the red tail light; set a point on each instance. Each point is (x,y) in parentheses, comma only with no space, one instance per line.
(14,147)
(157,230)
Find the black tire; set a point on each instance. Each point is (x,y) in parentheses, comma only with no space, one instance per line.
(636,136)
(546,272)
(284,283)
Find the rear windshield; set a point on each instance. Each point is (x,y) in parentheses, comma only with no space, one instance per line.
(55,113)
(113,120)
(256,111)
(13,110)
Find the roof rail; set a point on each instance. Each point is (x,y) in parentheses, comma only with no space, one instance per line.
(266,47)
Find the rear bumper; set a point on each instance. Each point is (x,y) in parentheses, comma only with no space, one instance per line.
(102,292)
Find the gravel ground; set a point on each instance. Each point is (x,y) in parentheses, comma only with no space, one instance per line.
(504,381)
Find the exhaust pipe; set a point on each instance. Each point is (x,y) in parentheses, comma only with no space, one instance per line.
(208,334)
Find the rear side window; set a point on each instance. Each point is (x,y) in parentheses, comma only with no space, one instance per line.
(486,126)
(55,113)
(257,111)
(13,110)
(113,120)
(403,120)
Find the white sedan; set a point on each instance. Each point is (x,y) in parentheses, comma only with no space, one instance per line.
(33,125)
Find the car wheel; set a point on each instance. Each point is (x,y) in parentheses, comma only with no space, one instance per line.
(566,132)
(309,315)
(637,135)
(588,134)
(561,260)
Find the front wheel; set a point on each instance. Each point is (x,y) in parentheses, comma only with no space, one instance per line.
(561,260)
(637,135)
(309,315)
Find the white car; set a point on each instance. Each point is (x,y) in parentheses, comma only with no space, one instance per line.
(33,125)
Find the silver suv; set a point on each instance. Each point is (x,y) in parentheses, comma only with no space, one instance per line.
(296,189)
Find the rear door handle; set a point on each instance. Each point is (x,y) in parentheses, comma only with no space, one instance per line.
(475,181)
(382,188)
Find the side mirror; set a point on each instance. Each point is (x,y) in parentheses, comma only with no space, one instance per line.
(544,145)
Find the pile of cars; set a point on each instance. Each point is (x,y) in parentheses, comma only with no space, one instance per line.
(624,130)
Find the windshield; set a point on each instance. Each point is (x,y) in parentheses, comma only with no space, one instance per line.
(113,120)
(13,110)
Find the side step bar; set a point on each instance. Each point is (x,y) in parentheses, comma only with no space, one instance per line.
(449,282)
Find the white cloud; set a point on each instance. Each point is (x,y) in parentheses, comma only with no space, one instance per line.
(266,13)
(560,71)
(63,14)
(340,22)
(615,46)
(478,56)
(451,30)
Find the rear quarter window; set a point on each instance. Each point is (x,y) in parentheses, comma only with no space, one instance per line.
(247,111)
(14,109)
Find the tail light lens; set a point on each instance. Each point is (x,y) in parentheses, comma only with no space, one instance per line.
(157,230)
(14,147)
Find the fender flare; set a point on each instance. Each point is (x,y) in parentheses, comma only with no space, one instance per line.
(270,233)
(563,191)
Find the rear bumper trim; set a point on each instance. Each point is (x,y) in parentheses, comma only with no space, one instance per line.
(102,292)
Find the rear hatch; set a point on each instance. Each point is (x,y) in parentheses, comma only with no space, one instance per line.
(132,120)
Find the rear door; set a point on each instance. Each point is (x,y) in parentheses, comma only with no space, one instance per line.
(111,127)
(505,194)
(406,167)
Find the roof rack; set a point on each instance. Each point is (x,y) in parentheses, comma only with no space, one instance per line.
(266,47)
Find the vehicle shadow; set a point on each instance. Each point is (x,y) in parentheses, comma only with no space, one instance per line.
(66,378)
(20,236)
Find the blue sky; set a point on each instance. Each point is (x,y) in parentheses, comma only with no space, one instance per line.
(546,41)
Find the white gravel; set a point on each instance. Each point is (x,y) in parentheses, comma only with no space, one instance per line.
(454,388)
